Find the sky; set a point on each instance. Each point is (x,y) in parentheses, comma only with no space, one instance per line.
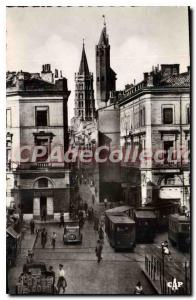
(140,37)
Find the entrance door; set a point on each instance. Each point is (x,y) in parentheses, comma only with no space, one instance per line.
(168,145)
(43,208)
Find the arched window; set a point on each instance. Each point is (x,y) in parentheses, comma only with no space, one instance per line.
(43,183)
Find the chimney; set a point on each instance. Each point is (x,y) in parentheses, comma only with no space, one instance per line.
(21,77)
(148,78)
(46,73)
(56,73)
(168,70)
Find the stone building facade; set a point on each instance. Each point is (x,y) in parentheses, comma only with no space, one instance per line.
(36,125)
(155,116)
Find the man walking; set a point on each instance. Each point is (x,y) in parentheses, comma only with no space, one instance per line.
(101,234)
(44,235)
(98,251)
(62,283)
(53,240)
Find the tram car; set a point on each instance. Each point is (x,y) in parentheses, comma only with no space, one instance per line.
(120,230)
(146,224)
(179,231)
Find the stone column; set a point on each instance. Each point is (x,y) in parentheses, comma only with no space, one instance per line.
(50,207)
(36,207)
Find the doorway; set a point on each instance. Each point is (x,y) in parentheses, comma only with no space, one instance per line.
(43,208)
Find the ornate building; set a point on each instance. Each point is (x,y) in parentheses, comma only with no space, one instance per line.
(37,122)
(155,117)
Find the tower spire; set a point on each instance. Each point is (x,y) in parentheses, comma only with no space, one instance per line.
(104,37)
(83,63)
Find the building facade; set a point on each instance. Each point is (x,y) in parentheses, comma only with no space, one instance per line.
(155,117)
(37,138)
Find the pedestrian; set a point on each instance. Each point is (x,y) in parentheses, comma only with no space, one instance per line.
(51,273)
(98,251)
(138,289)
(32,226)
(62,221)
(81,222)
(105,202)
(44,235)
(101,234)
(96,223)
(93,199)
(53,240)
(30,255)
(62,283)
(85,207)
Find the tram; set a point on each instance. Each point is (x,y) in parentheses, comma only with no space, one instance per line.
(120,229)
(179,231)
(146,224)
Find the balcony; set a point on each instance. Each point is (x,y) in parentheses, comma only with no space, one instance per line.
(42,165)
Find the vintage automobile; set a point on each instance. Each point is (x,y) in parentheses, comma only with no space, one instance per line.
(120,230)
(179,231)
(72,233)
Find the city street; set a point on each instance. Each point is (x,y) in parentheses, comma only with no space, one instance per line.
(117,273)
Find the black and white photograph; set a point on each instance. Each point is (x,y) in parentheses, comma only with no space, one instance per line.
(98,150)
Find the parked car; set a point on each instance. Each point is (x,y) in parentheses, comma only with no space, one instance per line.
(72,233)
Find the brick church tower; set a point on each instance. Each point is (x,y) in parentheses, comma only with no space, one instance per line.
(105,76)
(84,93)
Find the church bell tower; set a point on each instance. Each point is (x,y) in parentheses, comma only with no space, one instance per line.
(84,93)
(105,76)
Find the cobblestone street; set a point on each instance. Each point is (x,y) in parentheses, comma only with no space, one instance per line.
(118,272)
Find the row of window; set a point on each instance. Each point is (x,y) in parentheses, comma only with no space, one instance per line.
(41,116)
(87,96)
(167,116)
(85,86)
